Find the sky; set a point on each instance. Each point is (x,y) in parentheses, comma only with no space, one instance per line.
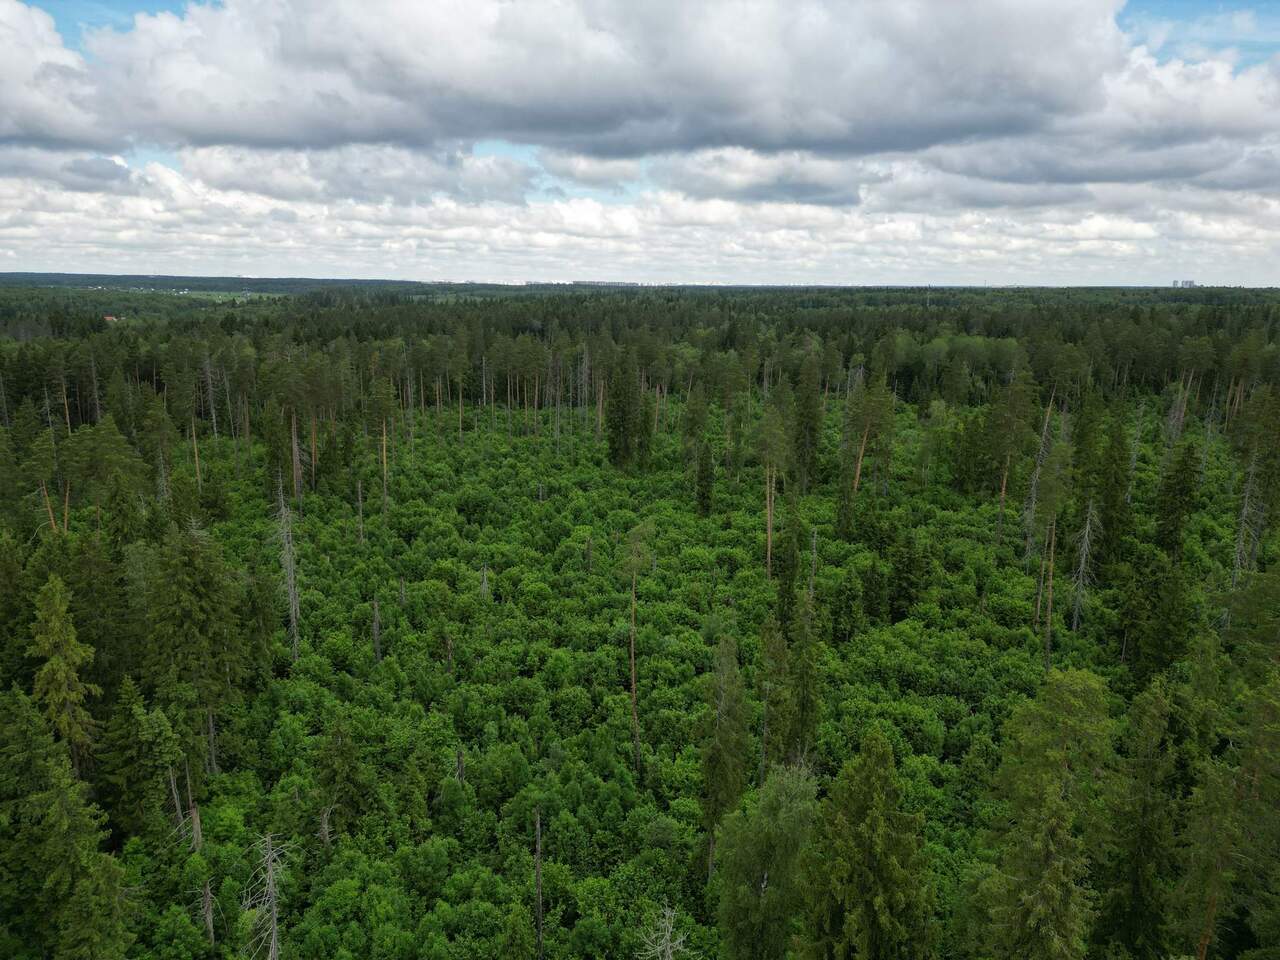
(723,141)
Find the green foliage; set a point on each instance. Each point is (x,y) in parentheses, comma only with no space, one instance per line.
(637,550)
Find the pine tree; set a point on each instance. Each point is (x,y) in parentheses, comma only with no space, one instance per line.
(724,749)
(58,687)
(866,887)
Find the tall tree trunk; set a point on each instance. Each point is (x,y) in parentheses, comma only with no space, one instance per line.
(384,464)
(1048,619)
(195,447)
(768,521)
(862,449)
(635,721)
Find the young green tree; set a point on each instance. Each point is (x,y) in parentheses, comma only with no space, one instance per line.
(867,891)
(761,885)
(58,687)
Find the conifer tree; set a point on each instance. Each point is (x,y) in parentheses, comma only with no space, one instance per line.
(804,694)
(58,687)
(1057,751)
(867,893)
(808,421)
(61,896)
(774,682)
(1141,813)
(761,892)
(705,480)
(1115,515)
(1176,498)
(724,750)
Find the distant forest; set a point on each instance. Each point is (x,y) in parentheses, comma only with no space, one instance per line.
(394,620)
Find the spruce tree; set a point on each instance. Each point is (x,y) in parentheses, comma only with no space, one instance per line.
(1057,752)
(867,891)
(60,895)
(1176,498)
(58,687)
(724,749)
(1141,813)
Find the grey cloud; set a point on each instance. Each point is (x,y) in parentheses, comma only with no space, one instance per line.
(608,77)
(377,173)
(790,177)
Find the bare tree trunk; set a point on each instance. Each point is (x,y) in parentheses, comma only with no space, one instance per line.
(289,564)
(195,447)
(1004,486)
(635,722)
(377,632)
(359,509)
(93,379)
(48,505)
(206,910)
(768,521)
(1082,574)
(384,464)
(209,398)
(862,449)
(1048,620)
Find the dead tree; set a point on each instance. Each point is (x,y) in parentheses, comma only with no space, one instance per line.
(262,898)
(289,564)
(1083,578)
(659,939)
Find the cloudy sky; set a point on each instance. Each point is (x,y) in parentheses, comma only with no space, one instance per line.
(757,141)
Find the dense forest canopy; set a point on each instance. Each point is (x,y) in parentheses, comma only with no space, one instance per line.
(437,621)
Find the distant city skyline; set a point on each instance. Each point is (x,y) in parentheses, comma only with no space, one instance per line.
(908,142)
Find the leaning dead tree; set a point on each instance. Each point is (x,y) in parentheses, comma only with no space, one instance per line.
(1083,577)
(1250,524)
(288,563)
(262,898)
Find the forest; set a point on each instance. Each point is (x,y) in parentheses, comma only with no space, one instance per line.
(436,623)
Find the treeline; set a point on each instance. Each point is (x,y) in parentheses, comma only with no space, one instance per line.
(656,623)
